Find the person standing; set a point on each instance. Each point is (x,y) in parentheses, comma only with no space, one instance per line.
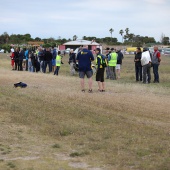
(156,59)
(58,63)
(48,60)
(16,59)
(84,59)
(54,54)
(146,63)
(41,59)
(26,57)
(107,68)
(100,70)
(138,66)
(21,57)
(72,62)
(119,62)
(12,59)
(112,61)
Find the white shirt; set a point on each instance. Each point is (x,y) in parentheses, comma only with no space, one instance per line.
(146,58)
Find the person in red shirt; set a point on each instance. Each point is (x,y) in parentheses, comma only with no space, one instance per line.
(156,59)
(12,60)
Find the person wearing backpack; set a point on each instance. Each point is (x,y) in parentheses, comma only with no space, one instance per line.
(101,63)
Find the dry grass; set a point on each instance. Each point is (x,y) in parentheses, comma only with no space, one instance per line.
(127,127)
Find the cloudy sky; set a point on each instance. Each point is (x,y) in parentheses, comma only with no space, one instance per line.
(66,18)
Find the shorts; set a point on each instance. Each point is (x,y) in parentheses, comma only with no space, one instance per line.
(82,74)
(100,75)
(118,67)
(53,62)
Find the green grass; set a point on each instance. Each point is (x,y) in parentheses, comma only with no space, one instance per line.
(51,124)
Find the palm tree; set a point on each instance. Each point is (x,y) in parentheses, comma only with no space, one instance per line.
(127,31)
(121,33)
(111,31)
(75,37)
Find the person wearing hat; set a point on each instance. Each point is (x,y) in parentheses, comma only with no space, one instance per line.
(112,61)
(100,70)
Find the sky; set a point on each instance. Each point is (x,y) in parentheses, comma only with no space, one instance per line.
(66,18)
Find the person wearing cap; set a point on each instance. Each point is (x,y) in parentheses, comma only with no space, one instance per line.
(100,71)
(107,68)
(84,59)
(138,66)
(156,59)
(146,63)
(112,61)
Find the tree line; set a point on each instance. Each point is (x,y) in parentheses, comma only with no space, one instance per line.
(127,39)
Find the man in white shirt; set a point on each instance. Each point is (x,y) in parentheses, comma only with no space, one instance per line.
(146,63)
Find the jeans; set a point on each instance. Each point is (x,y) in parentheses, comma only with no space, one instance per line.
(107,72)
(49,63)
(30,66)
(138,70)
(146,73)
(20,65)
(112,70)
(155,72)
(57,70)
(42,66)
(72,70)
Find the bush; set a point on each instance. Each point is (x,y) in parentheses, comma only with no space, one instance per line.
(6,48)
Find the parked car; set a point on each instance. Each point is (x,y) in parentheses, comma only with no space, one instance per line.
(67,51)
(167,51)
(1,50)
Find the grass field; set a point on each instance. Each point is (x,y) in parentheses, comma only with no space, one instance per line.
(52,125)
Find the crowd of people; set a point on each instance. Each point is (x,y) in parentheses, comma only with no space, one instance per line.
(38,60)
(143,63)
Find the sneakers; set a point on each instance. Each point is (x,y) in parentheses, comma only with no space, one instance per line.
(90,91)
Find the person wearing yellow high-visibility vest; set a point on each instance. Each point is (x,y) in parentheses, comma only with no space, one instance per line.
(100,71)
(58,63)
(112,61)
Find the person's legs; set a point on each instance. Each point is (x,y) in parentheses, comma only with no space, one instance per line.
(58,68)
(81,76)
(114,72)
(90,83)
(107,72)
(137,73)
(82,83)
(111,72)
(140,73)
(144,73)
(156,74)
(26,65)
(149,73)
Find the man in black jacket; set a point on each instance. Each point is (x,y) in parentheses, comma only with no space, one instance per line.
(48,60)
(16,59)
(138,66)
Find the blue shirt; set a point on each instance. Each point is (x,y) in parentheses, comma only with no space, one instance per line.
(26,54)
(84,58)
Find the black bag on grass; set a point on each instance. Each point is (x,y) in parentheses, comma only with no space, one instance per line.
(20,84)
